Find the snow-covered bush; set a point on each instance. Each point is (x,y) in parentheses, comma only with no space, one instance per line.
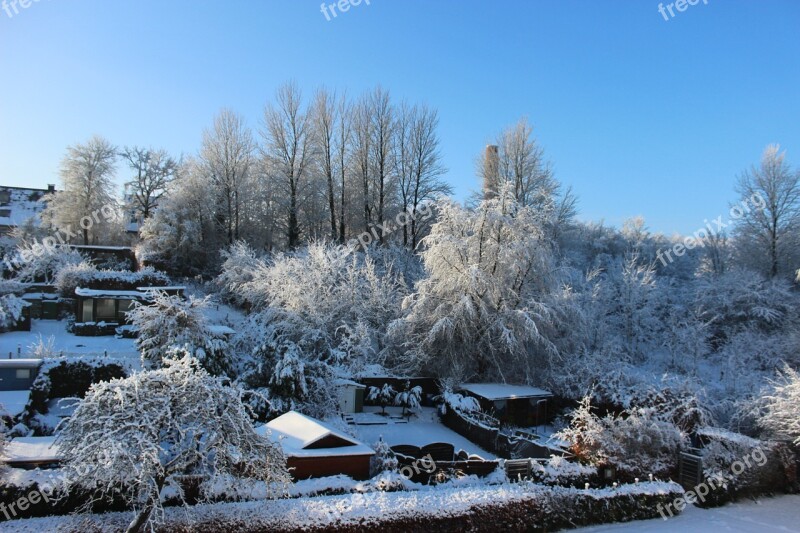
(384,459)
(132,437)
(637,442)
(43,262)
(382,396)
(10,311)
(167,322)
(781,407)
(560,471)
(238,268)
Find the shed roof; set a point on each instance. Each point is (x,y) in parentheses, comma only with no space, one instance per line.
(297,434)
(31,450)
(13,402)
(501,391)
(20,363)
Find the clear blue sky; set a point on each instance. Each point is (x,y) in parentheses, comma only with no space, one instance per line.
(641,116)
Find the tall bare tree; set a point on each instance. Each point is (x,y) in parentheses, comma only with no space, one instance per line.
(418,164)
(770,205)
(362,142)
(344,138)
(287,147)
(227,155)
(153,171)
(325,119)
(382,133)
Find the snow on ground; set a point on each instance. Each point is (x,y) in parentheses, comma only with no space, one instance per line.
(421,430)
(120,349)
(767,515)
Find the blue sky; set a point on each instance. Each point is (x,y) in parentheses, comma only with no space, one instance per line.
(641,116)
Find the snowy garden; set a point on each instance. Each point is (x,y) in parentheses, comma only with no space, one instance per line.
(525,368)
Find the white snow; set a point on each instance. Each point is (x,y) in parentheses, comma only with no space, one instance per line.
(13,402)
(20,363)
(31,449)
(779,515)
(501,391)
(103,293)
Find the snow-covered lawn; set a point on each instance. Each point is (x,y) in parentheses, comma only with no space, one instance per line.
(421,430)
(122,349)
(766,515)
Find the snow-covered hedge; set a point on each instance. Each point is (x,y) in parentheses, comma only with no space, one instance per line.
(509,507)
(737,466)
(85,275)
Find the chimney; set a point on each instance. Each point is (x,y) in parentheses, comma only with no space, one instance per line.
(490,171)
(51,187)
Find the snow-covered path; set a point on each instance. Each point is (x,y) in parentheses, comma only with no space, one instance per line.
(767,515)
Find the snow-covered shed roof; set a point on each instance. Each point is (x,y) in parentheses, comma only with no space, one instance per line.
(501,391)
(13,402)
(31,450)
(220,330)
(20,363)
(103,293)
(343,382)
(302,436)
(167,288)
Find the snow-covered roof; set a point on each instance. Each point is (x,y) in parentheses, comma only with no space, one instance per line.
(13,402)
(501,391)
(219,330)
(32,450)
(100,247)
(23,205)
(20,363)
(297,434)
(167,288)
(103,293)
(349,383)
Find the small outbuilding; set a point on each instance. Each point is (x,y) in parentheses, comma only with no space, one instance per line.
(32,452)
(350,395)
(518,405)
(315,449)
(18,374)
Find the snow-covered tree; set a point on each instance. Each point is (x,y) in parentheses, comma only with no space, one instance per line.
(383,396)
(637,442)
(10,311)
(87,205)
(43,262)
(167,322)
(409,398)
(135,436)
(480,312)
(781,407)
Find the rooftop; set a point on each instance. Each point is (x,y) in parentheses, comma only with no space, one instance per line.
(501,391)
(297,434)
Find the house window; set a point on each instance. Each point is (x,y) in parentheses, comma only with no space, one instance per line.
(5,197)
(106,310)
(124,307)
(5,213)
(23,373)
(88,310)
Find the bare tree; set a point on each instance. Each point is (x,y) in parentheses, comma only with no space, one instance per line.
(362,137)
(382,125)
(521,162)
(227,155)
(86,172)
(344,138)
(153,171)
(770,208)
(325,121)
(287,147)
(418,164)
